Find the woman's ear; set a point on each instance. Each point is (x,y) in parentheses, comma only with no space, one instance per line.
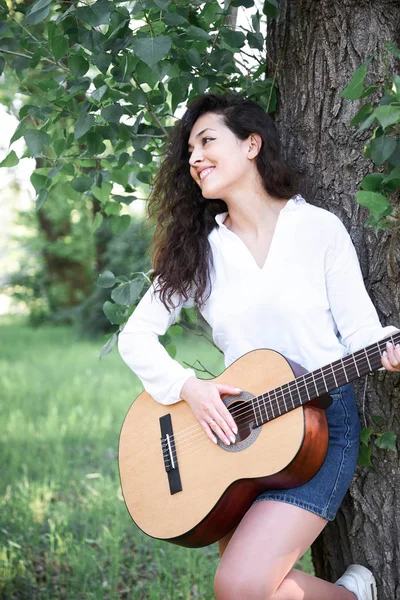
(254,145)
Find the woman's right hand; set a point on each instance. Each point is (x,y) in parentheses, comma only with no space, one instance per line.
(204,398)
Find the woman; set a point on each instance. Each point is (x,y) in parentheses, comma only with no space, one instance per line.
(266,269)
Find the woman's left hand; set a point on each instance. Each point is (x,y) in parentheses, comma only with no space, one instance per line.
(391,357)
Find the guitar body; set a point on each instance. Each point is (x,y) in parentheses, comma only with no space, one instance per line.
(218,482)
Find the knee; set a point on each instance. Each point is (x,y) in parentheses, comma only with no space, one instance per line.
(237,585)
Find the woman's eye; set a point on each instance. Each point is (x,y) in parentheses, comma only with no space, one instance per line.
(207,139)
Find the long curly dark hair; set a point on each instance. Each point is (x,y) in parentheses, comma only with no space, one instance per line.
(182,259)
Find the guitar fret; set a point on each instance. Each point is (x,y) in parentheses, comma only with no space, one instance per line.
(323,377)
(291,397)
(355,362)
(344,371)
(278,404)
(284,399)
(334,376)
(254,411)
(366,354)
(315,385)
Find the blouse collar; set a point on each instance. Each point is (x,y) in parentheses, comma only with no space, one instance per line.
(293,203)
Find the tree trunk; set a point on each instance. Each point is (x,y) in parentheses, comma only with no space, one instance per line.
(314,48)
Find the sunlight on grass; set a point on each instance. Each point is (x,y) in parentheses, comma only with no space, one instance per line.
(64,529)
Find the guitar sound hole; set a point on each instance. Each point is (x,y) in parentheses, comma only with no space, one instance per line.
(242,412)
(244,419)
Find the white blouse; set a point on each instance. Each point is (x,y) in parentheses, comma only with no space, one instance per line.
(308,302)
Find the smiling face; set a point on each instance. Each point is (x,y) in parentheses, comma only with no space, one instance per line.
(219,161)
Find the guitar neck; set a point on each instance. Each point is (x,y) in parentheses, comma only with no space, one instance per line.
(309,386)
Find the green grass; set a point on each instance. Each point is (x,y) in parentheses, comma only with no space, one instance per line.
(64,529)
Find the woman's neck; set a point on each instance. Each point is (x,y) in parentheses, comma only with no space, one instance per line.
(253,213)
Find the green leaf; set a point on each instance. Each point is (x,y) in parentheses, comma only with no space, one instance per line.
(137,97)
(179,89)
(83,124)
(119,224)
(99,93)
(394,159)
(364,456)
(112,208)
(171,349)
(142,156)
(36,141)
(362,114)
(113,113)
(377,204)
(200,84)
(2,65)
(144,176)
(173,19)
(387,441)
(271,8)
(194,57)
(127,293)
(393,49)
(234,39)
(115,313)
(256,40)
(96,14)
(38,181)
(367,122)
(109,345)
(102,193)
(37,12)
(396,86)
(106,279)
(95,143)
(152,49)
(82,184)
(387,115)
(102,61)
(381,148)
(78,65)
(244,3)
(18,133)
(366,434)
(372,182)
(124,199)
(378,420)
(175,330)
(393,177)
(196,33)
(11,160)
(57,42)
(355,87)
(41,199)
(97,221)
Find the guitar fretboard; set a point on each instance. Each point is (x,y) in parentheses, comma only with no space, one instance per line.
(309,386)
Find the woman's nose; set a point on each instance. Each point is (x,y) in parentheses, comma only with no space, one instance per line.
(196,156)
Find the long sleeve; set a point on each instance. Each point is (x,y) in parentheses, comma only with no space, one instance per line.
(161,376)
(351,306)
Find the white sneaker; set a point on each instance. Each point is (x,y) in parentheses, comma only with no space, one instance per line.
(360,581)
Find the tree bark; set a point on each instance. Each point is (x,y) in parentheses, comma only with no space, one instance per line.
(314,48)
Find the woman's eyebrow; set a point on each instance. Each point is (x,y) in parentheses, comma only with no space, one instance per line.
(200,133)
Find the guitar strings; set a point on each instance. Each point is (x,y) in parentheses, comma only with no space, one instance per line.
(242,411)
(293,386)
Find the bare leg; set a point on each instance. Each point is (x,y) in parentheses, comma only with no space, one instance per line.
(257,563)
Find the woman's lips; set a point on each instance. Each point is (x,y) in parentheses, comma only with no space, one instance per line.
(205,173)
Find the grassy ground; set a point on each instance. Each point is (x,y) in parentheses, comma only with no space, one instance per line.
(64,529)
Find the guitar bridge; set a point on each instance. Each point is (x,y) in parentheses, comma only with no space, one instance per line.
(168,449)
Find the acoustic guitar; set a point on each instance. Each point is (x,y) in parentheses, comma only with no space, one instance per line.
(180,487)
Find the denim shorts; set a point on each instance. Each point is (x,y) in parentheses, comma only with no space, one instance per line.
(324,493)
